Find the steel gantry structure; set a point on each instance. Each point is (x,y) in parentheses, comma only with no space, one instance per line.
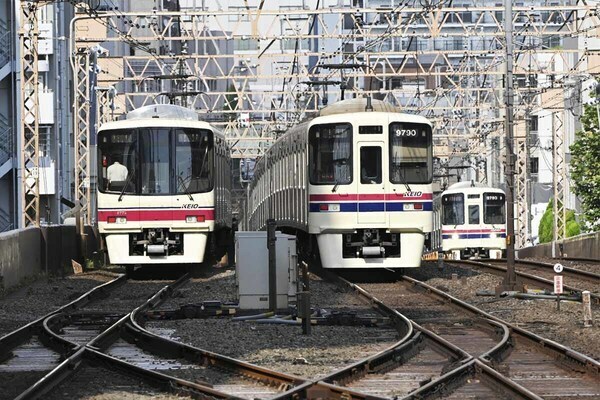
(257,71)
(29,124)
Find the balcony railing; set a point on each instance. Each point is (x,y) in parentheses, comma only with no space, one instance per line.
(6,140)
(5,44)
(5,221)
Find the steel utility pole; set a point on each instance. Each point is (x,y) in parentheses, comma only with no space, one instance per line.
(510,281)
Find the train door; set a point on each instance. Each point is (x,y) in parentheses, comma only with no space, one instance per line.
(156,177)
(371,183)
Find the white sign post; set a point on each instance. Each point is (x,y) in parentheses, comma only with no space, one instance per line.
(558,268)
(558,288)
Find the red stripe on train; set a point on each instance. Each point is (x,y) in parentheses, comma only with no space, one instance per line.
(156,215)
(368,197)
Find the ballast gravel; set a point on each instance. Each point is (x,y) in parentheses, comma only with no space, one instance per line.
(538,316)
(26,304)
(280,347)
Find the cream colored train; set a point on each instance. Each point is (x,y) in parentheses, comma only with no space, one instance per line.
(164,184)
(354,184)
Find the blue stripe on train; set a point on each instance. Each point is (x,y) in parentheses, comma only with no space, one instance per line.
(372,207)
(475,236)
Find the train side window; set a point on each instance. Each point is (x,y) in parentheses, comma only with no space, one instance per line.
(370,165)
(474,215)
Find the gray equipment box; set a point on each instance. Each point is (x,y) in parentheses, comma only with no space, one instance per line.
(252,270)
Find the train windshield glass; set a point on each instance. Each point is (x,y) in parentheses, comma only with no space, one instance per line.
(155,161)
(330,149)
(151,161)
(411,153)
(193,161)
(493,205)
(453,209)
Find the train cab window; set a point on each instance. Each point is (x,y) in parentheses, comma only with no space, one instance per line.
(411,153)
(493,208)
(330,154)
(370,165)
(193,161)
(117,161)
(474,215)
(453,209)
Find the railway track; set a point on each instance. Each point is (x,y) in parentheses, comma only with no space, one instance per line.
(92,343)
(459,351)
(541,275)
(25,354)
(98,338)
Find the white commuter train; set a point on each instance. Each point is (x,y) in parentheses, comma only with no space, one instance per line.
(473,221)
(164,187)
(353,185)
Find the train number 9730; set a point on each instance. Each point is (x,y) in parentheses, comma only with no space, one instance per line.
(406,132)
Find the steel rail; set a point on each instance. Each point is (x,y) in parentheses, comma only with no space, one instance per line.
(20,335)
(134,331)
(454,379)
(524,277)
(91,352)
(583,259)
(568,271)
(329,386)
(295,385)
(576,360)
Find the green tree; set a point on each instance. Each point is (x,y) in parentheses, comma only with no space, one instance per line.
(585,167)
(546,229)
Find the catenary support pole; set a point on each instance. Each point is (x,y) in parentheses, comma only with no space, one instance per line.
(271,246)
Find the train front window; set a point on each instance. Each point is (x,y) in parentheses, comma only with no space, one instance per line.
(370,164)
(493,208)
(155,161)
(474,215)
(330,150)
(453,209)
(411,153)
(193,161)
(118,159)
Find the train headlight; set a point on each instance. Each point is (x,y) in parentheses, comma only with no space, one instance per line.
(413,206)
(329,207)
(455,236)
(194,218)
(493,235)
(116,220)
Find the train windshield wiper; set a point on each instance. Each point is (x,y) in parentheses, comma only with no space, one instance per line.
(129,178)
(401,173)
(338,180)
(335,187)
(185,189)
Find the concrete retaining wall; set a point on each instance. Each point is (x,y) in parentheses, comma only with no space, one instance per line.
(31,251)
(581,246)
(20,256)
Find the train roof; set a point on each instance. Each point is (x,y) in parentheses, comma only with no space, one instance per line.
(470,185)
(360,105)
(160,115)
(166,111)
